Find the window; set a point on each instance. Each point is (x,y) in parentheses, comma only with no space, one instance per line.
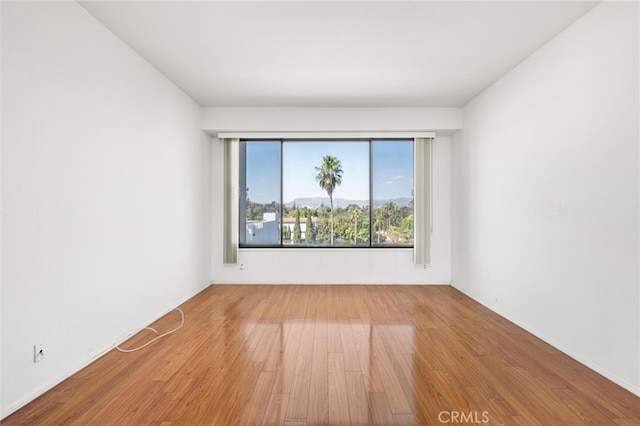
(347,193)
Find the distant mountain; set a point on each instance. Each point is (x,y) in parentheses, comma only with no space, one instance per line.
(315,202)
(400,202)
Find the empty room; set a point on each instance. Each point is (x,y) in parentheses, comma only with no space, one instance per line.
(320,212)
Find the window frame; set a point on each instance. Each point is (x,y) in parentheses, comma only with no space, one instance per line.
(280,213)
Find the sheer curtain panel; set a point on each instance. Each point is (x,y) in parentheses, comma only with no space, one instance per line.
(230,217)
(422,201)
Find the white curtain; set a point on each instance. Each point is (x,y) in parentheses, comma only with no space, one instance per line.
(230,218)
(422,201)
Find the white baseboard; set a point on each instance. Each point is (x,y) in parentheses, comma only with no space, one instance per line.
(6,411)
(582,360)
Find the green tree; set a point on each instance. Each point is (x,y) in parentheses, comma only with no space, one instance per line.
(296,228)
(390,212)
(286,233)
(342,231)
(356,214)
(378,225)
(310,232)
(329,176)
(406,228)
(321,227)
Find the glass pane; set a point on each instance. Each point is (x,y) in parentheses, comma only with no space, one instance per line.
(392,182)
(259,193)
(318,176)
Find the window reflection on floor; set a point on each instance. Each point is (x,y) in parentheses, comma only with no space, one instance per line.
(335,367)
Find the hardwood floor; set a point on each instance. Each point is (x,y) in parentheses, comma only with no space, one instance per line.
(335,355)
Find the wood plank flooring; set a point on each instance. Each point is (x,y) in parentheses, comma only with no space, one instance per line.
(335,355)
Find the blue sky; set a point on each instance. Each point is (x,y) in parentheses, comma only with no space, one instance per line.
(393,169)
(392,163)
(301,158)
(263,171)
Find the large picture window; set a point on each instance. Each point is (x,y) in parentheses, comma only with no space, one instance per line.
(346,193)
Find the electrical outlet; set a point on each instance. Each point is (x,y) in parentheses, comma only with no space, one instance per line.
(38,352)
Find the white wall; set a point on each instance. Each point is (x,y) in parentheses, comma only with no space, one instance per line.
(336,266)
(545,184)
(105,194)
(1,97)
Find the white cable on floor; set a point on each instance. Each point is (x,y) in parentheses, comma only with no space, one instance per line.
(158,336)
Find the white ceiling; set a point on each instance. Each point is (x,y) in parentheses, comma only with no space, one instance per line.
(335,54)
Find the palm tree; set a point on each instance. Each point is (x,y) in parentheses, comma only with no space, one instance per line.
(356,214)
(329,177)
